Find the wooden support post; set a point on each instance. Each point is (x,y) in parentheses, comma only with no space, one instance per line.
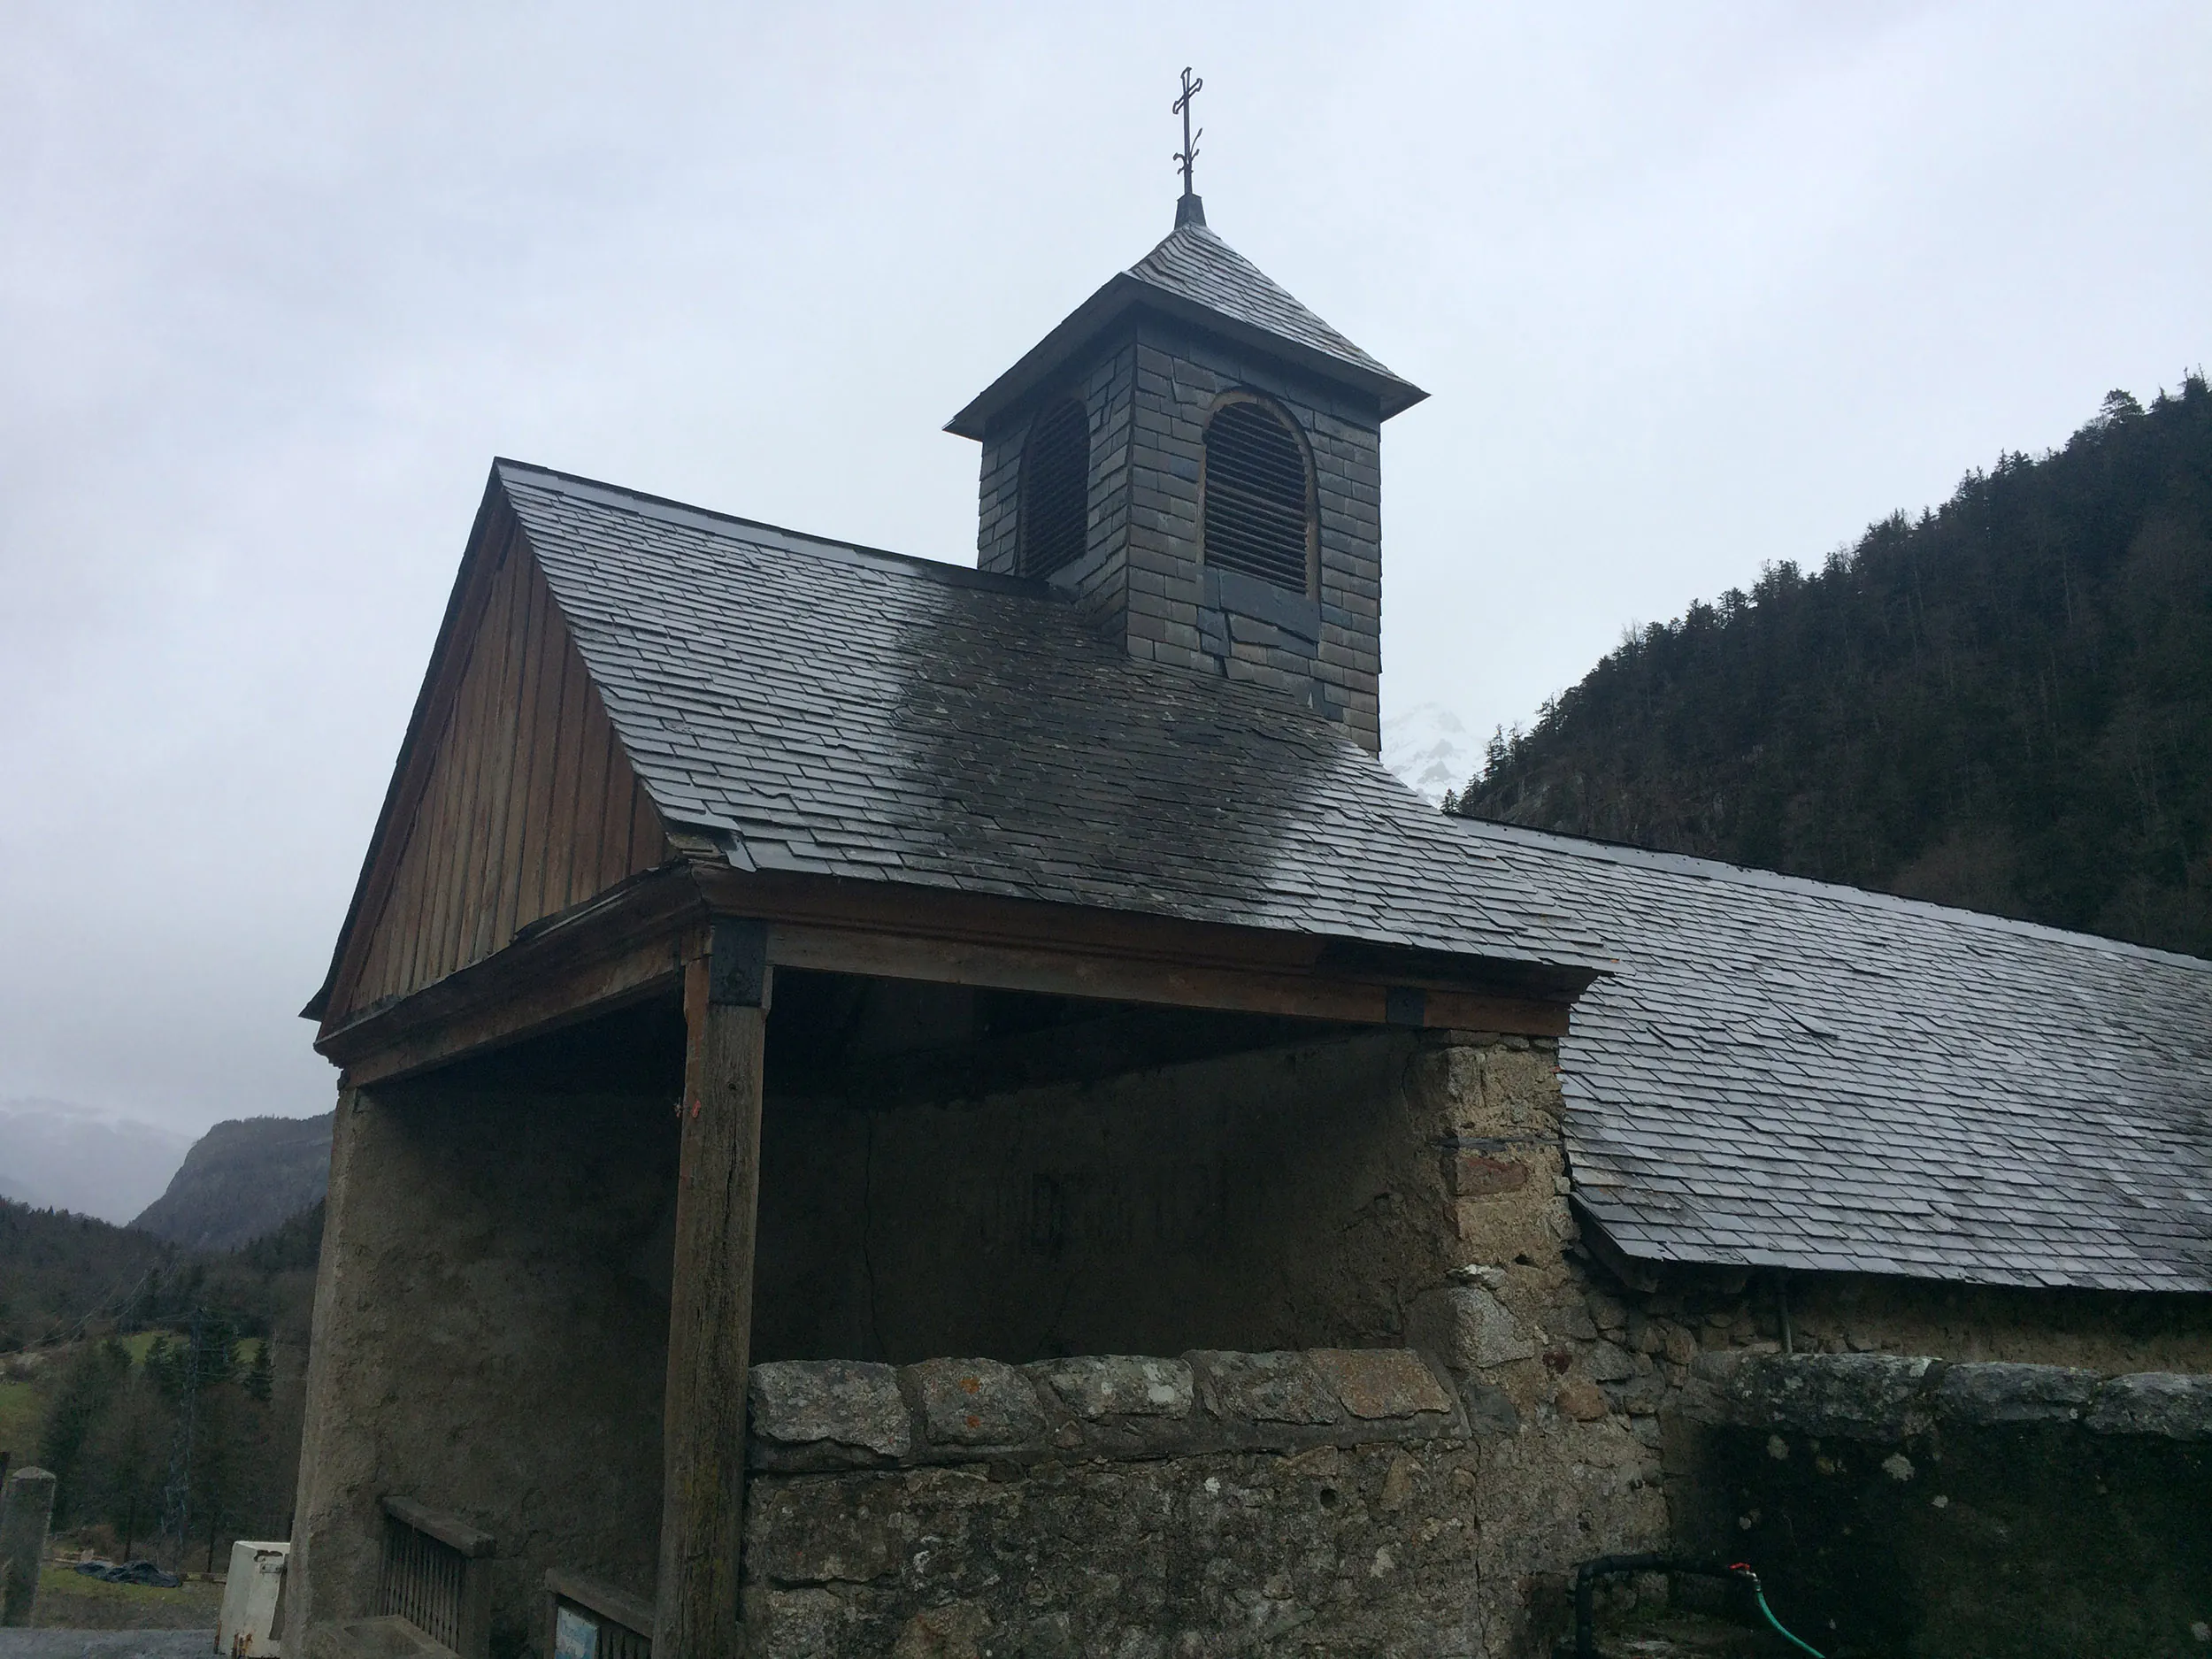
(711,1315)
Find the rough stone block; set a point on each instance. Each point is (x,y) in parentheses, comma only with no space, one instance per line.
(1483,1175)
(1570,1319)
(1113,1385)
(1642,1396)
(975,1403)
(1996,1393)
(2154,1403)
(1491,1412)
(827,1530)
(1282,1387)
(26,1505)
(1607,1362)
(1468,1328)
(1371,1383)
(850,1403)
(1868,1396)
(1581,1401)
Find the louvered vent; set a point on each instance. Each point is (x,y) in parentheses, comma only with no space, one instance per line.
(1056,488)
(1255,495)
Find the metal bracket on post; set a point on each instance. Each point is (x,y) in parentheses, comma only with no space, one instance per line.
(738,975)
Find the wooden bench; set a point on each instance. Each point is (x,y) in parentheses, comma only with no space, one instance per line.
(436,1578)
(589,1620)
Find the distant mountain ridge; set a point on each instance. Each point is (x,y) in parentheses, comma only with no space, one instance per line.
(2004,704)
(241,1179)
(1430,748)
(54,1154)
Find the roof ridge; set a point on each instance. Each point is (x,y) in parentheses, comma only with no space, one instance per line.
(763,534)
(1752,875)
(1155,270)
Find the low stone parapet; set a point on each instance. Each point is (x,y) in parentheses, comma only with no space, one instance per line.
(819,1416)
(1322,1500)
(1916,1505)
(1889,1397)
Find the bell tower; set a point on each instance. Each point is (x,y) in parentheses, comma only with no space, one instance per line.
(1197,457)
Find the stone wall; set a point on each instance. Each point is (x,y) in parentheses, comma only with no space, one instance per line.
(1639,1345)
(1909,1506)
(1394,1188)
(1331,1500)
(1274,1198)
(491,1335)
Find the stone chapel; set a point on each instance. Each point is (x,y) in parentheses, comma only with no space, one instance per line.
(896,1109)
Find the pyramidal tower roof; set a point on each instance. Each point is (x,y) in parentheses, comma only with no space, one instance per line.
(1197,277)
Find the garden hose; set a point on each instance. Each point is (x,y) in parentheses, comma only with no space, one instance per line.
(1589,1573)
(1743,1570)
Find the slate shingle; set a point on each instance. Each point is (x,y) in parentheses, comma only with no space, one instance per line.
(1989,1101)
(1776,1071)
(865,712)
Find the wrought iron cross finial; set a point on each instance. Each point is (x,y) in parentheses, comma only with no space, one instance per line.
(1188,154)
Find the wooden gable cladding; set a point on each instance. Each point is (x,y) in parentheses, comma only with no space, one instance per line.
(525,804)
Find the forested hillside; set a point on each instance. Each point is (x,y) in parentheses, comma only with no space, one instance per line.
(2006,704)
(161,1385)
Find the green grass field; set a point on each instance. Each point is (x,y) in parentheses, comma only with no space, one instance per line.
(21,1406)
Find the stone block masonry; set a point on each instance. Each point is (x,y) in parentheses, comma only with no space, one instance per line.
(1429,1496)
(1331,1499)
(26,1504)
(811,1416)
(1904,1504)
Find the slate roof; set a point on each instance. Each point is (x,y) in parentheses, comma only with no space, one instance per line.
(1197,264)
(1786,1073)
(939,727)
(1776,1073)
(1195,275)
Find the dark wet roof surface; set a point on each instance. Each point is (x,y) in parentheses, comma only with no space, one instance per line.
(848,713)
(1195,275)
(1196,264)
(1780,1073)
(1791,1074)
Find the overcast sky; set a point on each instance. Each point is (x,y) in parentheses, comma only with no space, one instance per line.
(1694,288)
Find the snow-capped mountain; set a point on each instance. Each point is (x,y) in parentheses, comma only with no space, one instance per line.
(1430,748)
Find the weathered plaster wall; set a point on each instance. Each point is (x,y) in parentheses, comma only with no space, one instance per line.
(489,1337)
(1265,1200)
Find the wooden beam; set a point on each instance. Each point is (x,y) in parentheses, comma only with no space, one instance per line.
(1063,972)
(630,942)
(710,1313)
(620,948)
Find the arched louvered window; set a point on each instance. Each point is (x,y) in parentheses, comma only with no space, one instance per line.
(1055,487)
(1259,501)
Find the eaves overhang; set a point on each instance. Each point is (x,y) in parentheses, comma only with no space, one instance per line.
(1124,294)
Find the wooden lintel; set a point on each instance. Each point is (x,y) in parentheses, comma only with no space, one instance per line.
(628,945)
(989,919)
(982,939)
(1168,983)
(631,943)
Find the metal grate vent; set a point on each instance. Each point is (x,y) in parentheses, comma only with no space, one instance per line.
(1256,496)
(422,1581)
(1056,500)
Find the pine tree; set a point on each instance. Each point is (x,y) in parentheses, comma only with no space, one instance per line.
(261,1375)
